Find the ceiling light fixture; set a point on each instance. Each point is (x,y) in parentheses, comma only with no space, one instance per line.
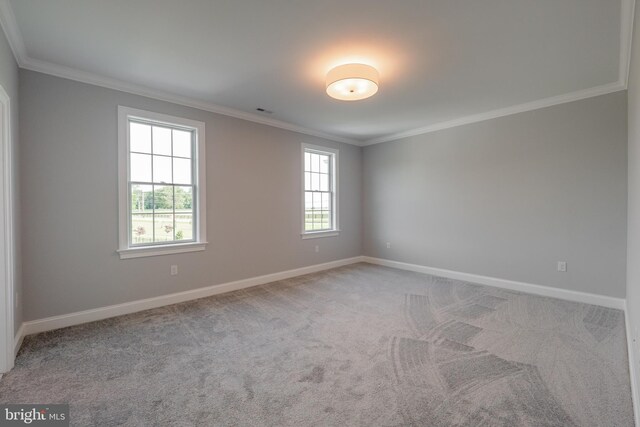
(352,82)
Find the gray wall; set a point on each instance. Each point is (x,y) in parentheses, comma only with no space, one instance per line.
(69,160)
(633,237)
(9,81)
(508,197)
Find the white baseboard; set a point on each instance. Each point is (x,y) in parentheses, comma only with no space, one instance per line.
(529,288)
(633,372)
(64,320)
(18,339)
(56,322)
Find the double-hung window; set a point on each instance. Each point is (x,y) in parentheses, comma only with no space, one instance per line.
(320,210)
(162,182)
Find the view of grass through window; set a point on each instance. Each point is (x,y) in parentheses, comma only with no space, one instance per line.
(318,194)
(160,184)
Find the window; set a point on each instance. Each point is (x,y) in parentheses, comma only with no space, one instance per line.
(162,185)
(320,213)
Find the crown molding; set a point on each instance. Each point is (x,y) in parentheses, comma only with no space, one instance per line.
(501,112)
(627,10)
(10,26)
(627,13)
(136,89)
(14,37)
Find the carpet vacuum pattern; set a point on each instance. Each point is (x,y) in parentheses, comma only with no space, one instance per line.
(357,345)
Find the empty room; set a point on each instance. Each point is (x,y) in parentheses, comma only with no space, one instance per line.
(327,213)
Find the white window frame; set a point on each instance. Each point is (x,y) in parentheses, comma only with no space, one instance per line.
(126,250)
(335,231)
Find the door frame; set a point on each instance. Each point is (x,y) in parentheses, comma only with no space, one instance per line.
(7,246)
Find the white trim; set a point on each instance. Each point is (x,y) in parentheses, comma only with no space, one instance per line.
(62,321)
(11,30)
(502,112)
(94,79)
(16,42)
(199,173)
(529,288)
(631,350)
(137,89)
(319,234)
(627,12)
(8,23)
(146,251)
(7,244)
(17,343)
(335,154)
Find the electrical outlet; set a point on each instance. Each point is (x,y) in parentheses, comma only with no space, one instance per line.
(388,245)
(174,270)
(562,266)
(317,248)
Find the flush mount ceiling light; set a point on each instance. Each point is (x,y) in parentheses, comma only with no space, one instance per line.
(352,82)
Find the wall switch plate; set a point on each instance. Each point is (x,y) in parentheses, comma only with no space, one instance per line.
(317,248)
(388,245)
(174,270)
(562,266)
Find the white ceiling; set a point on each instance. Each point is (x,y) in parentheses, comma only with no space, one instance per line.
(439,60)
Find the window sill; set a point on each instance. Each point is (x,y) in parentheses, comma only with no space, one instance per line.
(147,251)
(319,234)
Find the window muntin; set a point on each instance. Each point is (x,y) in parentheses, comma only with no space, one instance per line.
(161,183)
(162,194)
(319,190)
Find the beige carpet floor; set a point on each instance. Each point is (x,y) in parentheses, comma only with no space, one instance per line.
(357,345)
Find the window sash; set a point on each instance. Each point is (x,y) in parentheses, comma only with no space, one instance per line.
(153,183)
(153,214)
(313,211)
(322,211)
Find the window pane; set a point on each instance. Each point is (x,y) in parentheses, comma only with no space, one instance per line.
(163,227)
(181,143)
(141,229)
(317,201)
(139,137)
(324,164)
(183,199)
(163,198)
(307,161)
(140,167)
(307,181)
(324,182)
(308,200)
(162,169)
(141,199)
(326,220)
(182,171)
(315,182)
(326,198)
(184,226)
(315,162)
(161,140)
